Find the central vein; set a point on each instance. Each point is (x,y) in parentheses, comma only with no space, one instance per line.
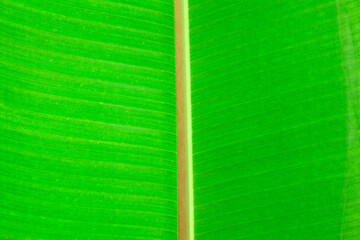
(188,120)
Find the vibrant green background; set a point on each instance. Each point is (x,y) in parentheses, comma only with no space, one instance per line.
(275,112)
(87,120)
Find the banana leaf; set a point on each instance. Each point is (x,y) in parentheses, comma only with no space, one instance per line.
(185,119)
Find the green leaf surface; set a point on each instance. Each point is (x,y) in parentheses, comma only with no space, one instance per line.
(87,120)
(275,119)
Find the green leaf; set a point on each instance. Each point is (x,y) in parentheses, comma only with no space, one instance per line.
(88,120)
(254,135)
(275,116)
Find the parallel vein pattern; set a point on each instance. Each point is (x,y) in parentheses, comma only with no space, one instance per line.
(271,119)
(87,120)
